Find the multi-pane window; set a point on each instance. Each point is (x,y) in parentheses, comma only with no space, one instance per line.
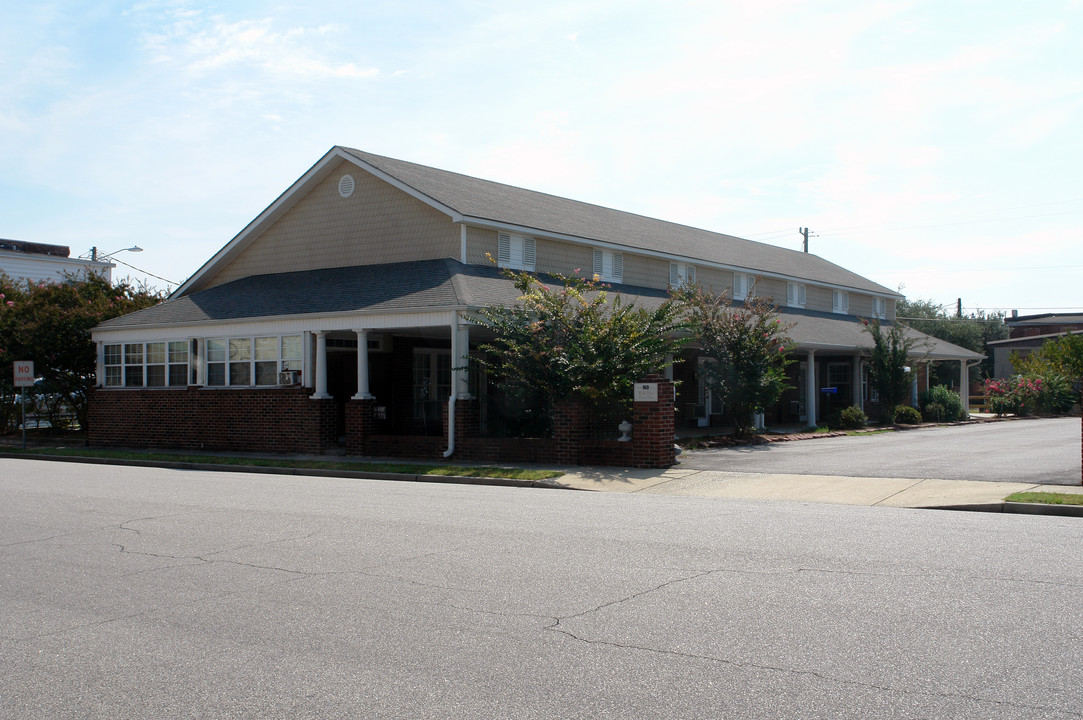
(152,364)
(431,383)
(248,361)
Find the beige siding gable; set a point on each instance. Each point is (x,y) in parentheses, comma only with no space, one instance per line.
(375,224)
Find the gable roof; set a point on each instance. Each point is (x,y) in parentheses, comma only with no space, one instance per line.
(486,203)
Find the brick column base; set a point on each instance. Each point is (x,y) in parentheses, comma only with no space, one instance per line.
(569,429)
(360,425)
(652,434)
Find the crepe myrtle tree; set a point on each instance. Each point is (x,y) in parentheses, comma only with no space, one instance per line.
(889,366)
(569,337)
(747,350)
(50,323)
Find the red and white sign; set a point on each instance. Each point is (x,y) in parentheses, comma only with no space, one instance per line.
(24,373)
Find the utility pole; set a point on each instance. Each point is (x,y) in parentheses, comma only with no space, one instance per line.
(959,308)
(804,234)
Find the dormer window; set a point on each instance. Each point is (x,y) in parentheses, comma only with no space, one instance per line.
(609,265)
(742,285)
(515,252)
(795,294)
(840,301)
(681,274)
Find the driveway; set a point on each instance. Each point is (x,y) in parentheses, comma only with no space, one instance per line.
(1043,451)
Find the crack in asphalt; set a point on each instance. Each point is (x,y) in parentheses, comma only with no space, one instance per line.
(556,627)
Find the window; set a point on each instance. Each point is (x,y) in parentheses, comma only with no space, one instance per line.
(742,285)
(431,383)
(516,252)
(152,364)
(869,393)
(680,274)
(248,361)
(879,307)
(609,265)
(795,294)
(840,301)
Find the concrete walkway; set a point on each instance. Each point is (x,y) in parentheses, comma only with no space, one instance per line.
(888,492)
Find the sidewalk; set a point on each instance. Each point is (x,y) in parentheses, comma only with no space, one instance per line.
(886,492)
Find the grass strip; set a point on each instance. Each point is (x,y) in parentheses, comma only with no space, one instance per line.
(479,471)
(1046,498)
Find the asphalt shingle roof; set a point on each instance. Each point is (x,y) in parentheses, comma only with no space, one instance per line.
(485,199)
(439,284)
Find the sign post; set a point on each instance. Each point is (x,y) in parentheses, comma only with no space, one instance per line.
(24,378)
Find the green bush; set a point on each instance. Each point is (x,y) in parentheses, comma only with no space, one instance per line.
(1055,394)
(849,418)
(939,404)
(906,415)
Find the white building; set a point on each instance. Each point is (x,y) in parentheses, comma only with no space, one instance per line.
(41,262)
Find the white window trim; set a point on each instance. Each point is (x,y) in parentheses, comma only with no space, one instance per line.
(609,265)
(879,305)
(281,363)
(144,363)
(516,252)
(744,285)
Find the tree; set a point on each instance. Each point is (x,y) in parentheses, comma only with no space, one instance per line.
(889,365)
(576,341)
(973,331)
(50,323)
(1062,355)
(747,351)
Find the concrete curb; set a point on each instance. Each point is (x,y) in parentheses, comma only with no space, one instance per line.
(1016,508)
(550,484)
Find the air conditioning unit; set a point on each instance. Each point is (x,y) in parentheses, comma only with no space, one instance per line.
(289,377)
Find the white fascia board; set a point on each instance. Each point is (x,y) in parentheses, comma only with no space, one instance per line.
(601,244)
(280,325)
(400,185)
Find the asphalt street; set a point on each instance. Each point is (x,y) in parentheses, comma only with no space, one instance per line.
(1038,450)
(147,592)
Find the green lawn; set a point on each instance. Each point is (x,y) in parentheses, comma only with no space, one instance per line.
(1046,498)
(479,471)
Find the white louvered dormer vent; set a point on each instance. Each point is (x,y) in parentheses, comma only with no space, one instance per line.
(680,274)
(516,252)
(879,307)
(609,265)
(840,301)
(346,186)
(742,285)
(796,294)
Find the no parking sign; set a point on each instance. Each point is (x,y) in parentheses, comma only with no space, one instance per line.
(24,373)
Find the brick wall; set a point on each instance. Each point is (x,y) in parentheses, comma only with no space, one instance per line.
(278,420)
(652,434)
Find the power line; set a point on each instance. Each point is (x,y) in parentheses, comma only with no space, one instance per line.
(133,267)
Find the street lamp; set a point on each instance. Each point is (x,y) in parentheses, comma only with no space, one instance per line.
(95,257)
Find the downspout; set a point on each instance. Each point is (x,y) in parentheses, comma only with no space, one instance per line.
(455,353)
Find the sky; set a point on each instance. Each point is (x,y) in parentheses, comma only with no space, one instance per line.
(933,146)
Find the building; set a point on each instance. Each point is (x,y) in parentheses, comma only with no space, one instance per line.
(1029,332)
(39,262)
(259,349)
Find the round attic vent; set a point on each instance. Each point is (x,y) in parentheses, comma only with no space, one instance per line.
(346,186)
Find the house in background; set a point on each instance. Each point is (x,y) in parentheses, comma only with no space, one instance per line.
(1029,332)
(343,311)
(40,262)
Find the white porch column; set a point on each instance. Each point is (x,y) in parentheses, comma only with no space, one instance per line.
(859,383)
(964,386)
(321,367)
(362,366)
(461,359)
(810,389)
(669,367)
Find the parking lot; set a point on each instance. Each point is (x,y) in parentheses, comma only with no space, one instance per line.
(1033,450)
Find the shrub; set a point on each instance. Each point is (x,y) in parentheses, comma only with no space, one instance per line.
(939,404)
(1018,395)
(1056,395)
(849,418)
(906,415)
